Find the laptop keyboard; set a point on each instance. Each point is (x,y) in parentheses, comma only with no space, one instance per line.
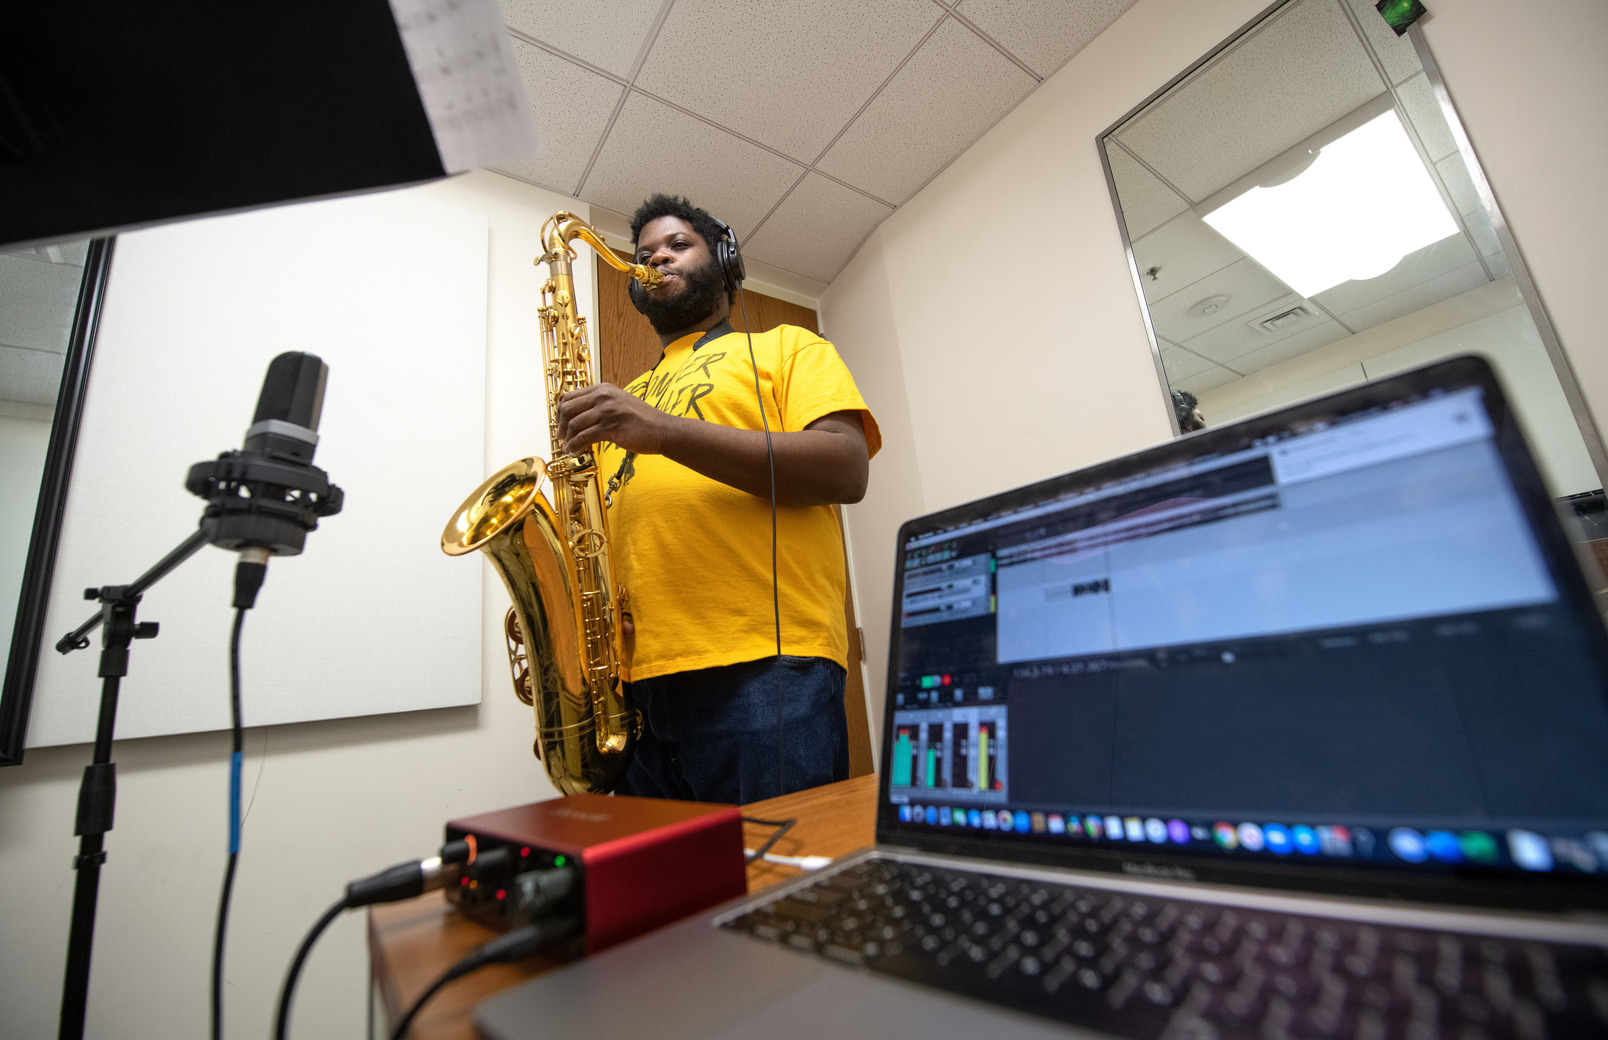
(1146,967)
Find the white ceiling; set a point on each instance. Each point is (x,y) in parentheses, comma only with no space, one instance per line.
(801,124)
(38,292)
(1301,70)
(805,124)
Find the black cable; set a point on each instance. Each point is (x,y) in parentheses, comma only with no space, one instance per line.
(516,945)
(281,1030)
(776,599)
(782,827)
(403,881)
(234,826)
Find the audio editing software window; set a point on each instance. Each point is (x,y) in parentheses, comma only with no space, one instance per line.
(1187,640)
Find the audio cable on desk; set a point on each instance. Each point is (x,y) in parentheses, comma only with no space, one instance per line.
(403,881)
(516,945)
(545,904)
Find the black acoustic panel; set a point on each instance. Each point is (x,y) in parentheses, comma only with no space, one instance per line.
(116,114)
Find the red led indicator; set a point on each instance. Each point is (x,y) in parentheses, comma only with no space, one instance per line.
(463,881)
(946,680)
(501,894)
(524,853)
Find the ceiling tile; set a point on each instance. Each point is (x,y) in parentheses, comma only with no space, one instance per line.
(1469,276)
(1459,184)
(1234,339)
(946,96)
(1483,234)
(654,147)
(1416,268)
(605,33)
(1145,200)
(1425,115)
(1181,364)
(74,252)
(1186,249)
(1043,33)
(1247,286)
(1395,53)
(30,376)
(37,299)
(572,107)
(816,228)
(787,75)
(1300,72)
(1214,376)
(1320,334)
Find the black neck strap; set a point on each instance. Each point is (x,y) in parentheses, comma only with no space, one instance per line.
(722,329)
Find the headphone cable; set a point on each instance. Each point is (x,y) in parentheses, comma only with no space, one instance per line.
(776,600)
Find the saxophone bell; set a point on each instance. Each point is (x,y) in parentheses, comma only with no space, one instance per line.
(554,558)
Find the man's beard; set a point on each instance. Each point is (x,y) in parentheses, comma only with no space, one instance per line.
(700,296)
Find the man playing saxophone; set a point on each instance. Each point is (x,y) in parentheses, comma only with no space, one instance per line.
(737,654)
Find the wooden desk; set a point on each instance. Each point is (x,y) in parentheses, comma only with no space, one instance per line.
(412,943)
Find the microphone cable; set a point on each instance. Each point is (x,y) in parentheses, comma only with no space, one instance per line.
(515,946)
(249,574)
(776,600)
(404,881)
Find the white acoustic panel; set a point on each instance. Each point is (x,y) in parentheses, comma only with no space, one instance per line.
(390,290)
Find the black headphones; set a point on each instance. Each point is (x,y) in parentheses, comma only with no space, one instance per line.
(729,256)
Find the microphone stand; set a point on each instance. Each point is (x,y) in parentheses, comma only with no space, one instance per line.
(98,792)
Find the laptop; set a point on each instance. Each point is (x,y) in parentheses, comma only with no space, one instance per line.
(1292,727)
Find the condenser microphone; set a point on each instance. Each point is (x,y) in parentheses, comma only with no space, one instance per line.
(263,499)
(289,407)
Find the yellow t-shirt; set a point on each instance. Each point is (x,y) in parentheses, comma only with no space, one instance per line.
(694,554)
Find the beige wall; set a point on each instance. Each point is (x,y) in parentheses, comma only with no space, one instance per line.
(992,321)
(326,802)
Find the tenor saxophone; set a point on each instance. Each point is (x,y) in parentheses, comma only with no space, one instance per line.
(563,630)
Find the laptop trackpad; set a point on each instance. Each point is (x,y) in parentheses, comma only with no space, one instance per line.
(678,983)
(692,980)
(844,1003)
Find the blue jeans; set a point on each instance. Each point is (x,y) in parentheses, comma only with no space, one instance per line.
(710,735)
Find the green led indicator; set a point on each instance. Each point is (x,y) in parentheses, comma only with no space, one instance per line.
(1400,14)
(558,861)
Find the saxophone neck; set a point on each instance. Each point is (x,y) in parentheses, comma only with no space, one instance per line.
(564,227)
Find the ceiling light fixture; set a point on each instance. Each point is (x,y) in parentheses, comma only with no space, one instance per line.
(1362,205)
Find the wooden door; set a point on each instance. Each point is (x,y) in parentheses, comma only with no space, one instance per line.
(627,347)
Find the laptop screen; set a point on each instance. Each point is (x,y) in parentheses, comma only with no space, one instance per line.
(1346,635)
